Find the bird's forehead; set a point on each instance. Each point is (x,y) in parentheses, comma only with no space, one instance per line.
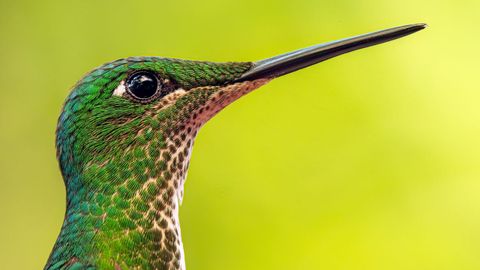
(121,67)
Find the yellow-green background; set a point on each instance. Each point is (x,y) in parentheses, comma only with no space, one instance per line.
(368,161)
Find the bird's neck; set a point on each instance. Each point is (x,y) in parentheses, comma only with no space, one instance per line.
(123,213)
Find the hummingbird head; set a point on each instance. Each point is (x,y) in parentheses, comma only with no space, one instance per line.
(130,108)
(143,101)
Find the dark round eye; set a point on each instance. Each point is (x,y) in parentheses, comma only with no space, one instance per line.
(143,85)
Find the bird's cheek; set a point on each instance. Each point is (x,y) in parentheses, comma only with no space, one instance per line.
(169,100)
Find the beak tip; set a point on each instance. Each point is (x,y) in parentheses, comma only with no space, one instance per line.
(411,28)
(419,26)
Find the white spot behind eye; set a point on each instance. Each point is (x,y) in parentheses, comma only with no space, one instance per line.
(120,90)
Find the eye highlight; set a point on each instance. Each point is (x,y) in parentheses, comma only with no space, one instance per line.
(143,86)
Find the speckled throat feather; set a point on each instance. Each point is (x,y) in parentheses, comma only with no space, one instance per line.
(124,163)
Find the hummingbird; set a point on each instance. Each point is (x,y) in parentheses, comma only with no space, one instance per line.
(124,139)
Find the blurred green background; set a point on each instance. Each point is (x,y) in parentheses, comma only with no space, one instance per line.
(367,161)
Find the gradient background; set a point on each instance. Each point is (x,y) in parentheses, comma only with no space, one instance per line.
(367,161)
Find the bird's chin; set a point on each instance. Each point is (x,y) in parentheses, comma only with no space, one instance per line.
(226,95)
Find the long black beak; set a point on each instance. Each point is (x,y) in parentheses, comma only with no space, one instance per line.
(292,61)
